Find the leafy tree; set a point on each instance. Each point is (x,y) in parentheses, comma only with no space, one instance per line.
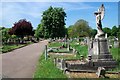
(22,28)
(107,30)
(81,28)
(114,31)
(71,31)
(118,34)
(39,31)
(11,32)
(5,34)
(53,21)
(93,32)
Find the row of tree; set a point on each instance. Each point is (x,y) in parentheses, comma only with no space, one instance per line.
(82,29)
(19,30)
(115,31)
(53,25)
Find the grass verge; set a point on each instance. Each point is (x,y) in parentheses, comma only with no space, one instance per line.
(116,55)
(8,48)
(47,69)
(55,44)
(81,49)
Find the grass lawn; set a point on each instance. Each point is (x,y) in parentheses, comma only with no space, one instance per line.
(82,49)
(55,44)
(116,55)
(8,48)
(47,69)
(63,50)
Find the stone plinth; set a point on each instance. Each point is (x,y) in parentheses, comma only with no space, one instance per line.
(79,66)
(99,49)
(101,56)
(89,65)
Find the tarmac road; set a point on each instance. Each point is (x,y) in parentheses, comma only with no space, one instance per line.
(21,63)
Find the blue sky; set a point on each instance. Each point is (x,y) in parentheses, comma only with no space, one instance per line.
(32,11)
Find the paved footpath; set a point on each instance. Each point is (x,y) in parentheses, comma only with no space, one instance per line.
(21,63)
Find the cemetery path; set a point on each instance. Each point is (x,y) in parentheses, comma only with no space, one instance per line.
(21,63)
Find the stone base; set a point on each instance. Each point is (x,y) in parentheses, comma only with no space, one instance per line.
(99,49)
(102,56)
(90,65)
(80,67)
(107,64)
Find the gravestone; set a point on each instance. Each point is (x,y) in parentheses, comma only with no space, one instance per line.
(88,40)
(68,46)
(116,44)
(46,55)
(101,72)
(60,63)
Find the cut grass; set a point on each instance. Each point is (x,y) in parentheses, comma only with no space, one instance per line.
(116,55)
(47,69)
(55,44)
(81,49)
(8,48)
(63,50)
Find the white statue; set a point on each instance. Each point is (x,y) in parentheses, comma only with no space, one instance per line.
(99,16)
